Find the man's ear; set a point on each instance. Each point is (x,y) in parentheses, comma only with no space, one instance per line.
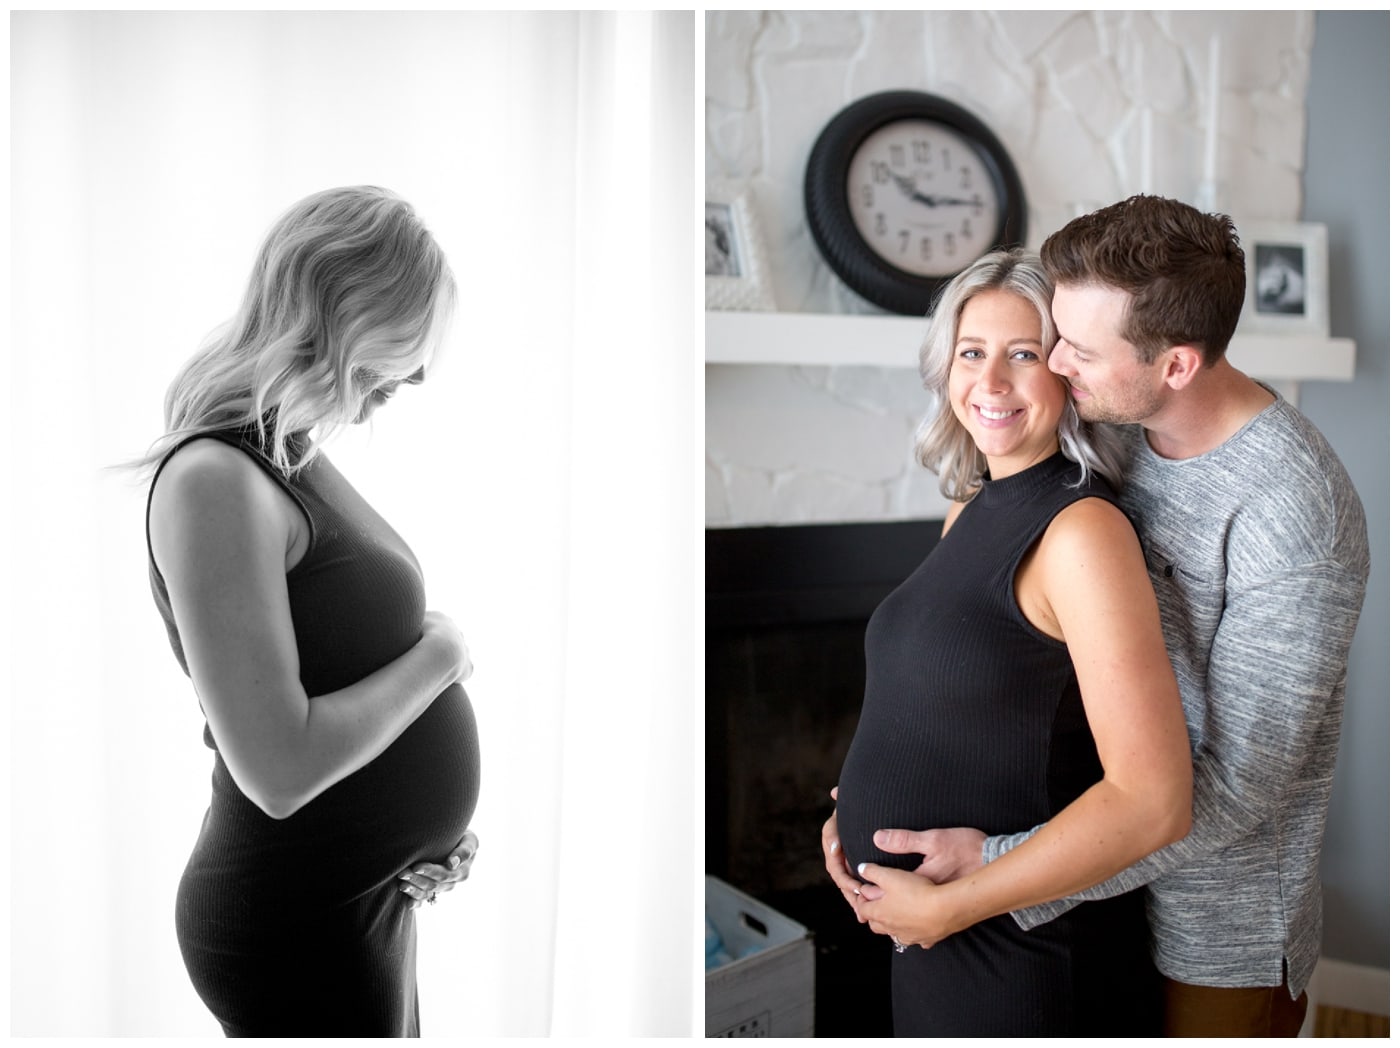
(1180,365)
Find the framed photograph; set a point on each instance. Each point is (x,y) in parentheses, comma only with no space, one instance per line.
(1285,278)
(736,263)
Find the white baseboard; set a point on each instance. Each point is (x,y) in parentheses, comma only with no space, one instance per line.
(1351,986)
(1338,984)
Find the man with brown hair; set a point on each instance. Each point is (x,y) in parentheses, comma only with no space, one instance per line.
(1256,543)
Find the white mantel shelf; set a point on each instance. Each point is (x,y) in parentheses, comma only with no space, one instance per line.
(886,340)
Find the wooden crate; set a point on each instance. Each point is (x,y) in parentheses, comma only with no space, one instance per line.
(767,991)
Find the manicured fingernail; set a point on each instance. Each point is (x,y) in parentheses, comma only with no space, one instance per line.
(834,846)
(453,863)
(861,869)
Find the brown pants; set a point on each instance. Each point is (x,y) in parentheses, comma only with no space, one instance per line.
(1218,1011)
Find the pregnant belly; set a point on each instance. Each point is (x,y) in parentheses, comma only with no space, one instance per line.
(890,781)
(411,803)
(870,799)
(415,800)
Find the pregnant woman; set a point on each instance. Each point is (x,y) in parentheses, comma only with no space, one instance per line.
(345,748)
(1017,677)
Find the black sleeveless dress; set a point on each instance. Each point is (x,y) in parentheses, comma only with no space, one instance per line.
(972,717)
(296,927)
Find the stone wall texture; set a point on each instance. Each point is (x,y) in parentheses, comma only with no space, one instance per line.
(1092,106)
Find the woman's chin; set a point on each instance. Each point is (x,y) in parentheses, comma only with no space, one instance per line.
(372,404)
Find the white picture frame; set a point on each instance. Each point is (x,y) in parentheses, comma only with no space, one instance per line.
(1285,278)
(736,260)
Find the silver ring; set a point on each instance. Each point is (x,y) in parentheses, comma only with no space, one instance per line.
(899,947)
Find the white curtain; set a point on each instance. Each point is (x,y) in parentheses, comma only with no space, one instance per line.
(545,478)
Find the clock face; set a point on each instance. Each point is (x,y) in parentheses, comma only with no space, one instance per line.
(923,198)
(904,190)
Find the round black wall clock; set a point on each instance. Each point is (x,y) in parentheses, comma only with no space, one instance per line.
(903,191)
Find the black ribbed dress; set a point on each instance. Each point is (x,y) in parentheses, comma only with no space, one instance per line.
(972,717)
(296,927)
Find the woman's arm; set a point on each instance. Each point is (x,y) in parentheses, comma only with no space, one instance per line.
(220,533)
(1087,584)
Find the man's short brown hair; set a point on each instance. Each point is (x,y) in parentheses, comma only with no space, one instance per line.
(1183,269)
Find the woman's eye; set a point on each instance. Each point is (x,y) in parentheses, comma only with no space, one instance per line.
(970,354)
(1026,354)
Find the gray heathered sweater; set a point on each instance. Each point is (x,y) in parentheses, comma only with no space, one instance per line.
(1259,557)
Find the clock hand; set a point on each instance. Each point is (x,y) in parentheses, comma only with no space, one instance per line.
(906,186)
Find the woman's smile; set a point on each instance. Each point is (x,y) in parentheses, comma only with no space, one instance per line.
(993,416)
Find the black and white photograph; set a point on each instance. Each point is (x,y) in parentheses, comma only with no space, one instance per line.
(721,242)
(353,597)
(1285,278)
(1281,286)
(736,256)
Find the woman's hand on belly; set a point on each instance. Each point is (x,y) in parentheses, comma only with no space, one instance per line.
(836,866)
(449,637)
(911,909)
(426,880)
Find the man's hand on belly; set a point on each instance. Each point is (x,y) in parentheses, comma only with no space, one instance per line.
(948,854)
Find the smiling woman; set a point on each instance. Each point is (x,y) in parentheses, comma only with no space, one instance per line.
(999,386)
(994,689)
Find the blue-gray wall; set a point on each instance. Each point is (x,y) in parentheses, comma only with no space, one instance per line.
(1346,184)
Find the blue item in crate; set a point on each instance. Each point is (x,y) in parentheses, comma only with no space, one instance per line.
(715,953)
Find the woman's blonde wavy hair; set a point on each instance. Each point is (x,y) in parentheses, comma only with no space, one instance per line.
(943,445)
(349,292)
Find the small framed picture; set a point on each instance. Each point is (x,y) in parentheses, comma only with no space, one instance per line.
(1285,278)
(736,263)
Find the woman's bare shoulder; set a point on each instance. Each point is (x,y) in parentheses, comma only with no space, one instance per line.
(209,492)
(1092,563)
(1089,523)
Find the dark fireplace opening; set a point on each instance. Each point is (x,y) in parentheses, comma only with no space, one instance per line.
(785,616)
